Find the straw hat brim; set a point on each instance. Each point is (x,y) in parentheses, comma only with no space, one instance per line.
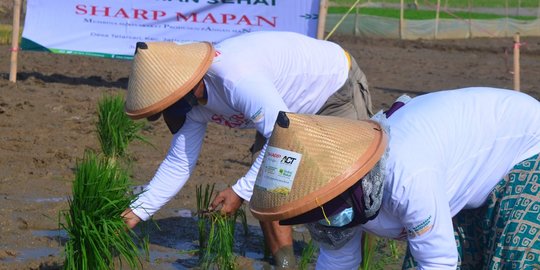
(331,189)
(155,81)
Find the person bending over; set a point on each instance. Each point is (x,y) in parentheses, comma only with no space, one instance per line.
(241,82)
(454,173)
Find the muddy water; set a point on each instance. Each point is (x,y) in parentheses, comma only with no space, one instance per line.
(171,245)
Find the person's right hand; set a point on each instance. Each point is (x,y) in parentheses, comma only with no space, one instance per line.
(130,218)
(229,201)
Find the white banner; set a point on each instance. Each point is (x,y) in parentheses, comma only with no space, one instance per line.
(111,28)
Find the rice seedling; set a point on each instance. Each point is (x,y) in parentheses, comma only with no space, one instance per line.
(5,34)
(369,246)
(203,203)
(219,251)
(307,255)
(98,236)
(115,129)
(216,231)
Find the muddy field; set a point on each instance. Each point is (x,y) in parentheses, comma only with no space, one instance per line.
(47,120)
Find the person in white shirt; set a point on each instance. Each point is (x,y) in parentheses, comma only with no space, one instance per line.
(463,160)
(241,82)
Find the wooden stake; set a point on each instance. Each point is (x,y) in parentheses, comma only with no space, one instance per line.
(321,24)
(437,18)
(517,82)
(401,18)
(15,40)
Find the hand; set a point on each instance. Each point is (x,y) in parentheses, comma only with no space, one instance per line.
(130,218)
(230,201)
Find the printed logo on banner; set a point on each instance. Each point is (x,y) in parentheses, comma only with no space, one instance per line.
(278,170)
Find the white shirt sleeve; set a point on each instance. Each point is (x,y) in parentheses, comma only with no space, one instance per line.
(258,99)
(174,171)
(347,257)
(425,213)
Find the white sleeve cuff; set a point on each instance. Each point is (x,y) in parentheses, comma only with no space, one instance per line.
(243,189)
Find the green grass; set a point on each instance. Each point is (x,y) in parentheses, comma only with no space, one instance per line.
(411,14)
(115,129)
(98,236)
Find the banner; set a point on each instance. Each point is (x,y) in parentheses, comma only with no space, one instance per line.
(111,28)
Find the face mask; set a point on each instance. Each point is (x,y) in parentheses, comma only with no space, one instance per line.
(340,219)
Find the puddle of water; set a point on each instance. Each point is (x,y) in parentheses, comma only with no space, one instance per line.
(47,200)
(33,254)
(51,233)
(38,200)
(174,246)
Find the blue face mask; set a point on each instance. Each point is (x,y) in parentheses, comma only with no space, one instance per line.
(340,219)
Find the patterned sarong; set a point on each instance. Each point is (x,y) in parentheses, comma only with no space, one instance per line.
(505,233)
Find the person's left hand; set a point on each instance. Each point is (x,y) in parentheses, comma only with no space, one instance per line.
(229,200)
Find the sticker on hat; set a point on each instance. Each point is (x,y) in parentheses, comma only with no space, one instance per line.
(278,170)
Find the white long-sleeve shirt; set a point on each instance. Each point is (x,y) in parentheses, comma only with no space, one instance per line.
(252,78)
(447,151)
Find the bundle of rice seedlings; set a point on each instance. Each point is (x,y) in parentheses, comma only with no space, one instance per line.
(115,129)
(216,231)
(219,251)
(98,236)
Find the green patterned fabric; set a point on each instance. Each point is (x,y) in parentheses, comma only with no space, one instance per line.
(505,233)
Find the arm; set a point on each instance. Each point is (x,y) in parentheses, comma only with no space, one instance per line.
(258,100)
(173,172)
(261,102)
(423,208)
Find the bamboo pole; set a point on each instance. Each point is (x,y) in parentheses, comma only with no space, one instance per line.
(517,79)
(401,18)
(470,18)
(506,24)
(341,20)
(437,18)
(15,40)
(321,24)
(356,14)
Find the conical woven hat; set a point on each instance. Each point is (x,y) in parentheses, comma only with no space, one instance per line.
(313,160)
(162,73)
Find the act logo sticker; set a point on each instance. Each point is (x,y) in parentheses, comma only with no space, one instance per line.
(278,170)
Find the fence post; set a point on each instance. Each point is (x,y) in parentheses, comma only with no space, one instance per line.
(401,19)
(437,18)
(321,24)
(506,33)
(356,13)
(15,40)
(517,78)
(470,18)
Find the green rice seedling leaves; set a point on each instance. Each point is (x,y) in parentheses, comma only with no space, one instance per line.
(98,236)
(203,203)
(5,34)
(369,246)
(115,129)
(216,232)
(219,251)
(307,255)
